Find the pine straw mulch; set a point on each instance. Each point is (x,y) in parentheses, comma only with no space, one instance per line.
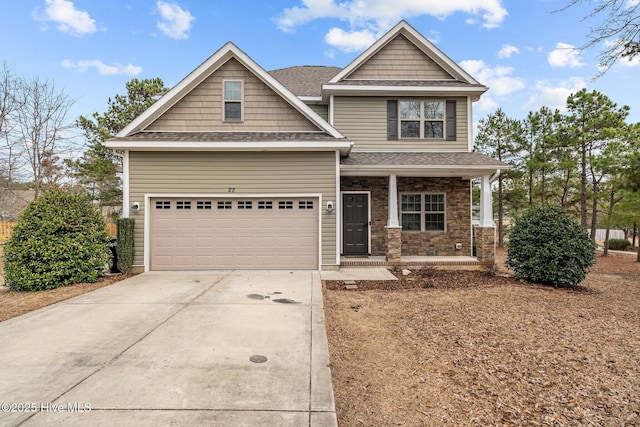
(467,348)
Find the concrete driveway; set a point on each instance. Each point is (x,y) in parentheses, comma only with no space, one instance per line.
(232,348)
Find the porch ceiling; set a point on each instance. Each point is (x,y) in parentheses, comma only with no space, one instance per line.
(440,164)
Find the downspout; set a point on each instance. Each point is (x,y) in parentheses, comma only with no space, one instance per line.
(494,177)
(124,158)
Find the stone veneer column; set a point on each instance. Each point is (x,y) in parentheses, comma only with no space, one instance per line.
(394,231)
(394,243)
(486,244)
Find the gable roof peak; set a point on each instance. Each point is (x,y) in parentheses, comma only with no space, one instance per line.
(228,51)
(418,40)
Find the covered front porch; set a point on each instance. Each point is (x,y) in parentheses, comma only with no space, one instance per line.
(424,179)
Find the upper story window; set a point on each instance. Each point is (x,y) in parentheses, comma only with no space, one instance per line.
(232,100)
(422,119)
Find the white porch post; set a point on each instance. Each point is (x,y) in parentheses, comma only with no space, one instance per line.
(486,204)
(393,202)
(485,233)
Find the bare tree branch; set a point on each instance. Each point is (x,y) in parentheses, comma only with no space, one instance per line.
(41,120)
(619,30)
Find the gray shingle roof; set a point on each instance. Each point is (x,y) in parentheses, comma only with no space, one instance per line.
(305,80)
(225,137)
(421,159)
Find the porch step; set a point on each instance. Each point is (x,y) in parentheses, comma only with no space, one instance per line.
(411,262)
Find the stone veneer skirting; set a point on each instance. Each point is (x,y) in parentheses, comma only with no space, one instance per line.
(427,243)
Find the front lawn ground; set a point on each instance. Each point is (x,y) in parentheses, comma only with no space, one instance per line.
(464,348)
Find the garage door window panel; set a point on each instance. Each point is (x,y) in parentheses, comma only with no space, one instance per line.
(229,235)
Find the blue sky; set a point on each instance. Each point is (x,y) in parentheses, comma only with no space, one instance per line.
(520,49)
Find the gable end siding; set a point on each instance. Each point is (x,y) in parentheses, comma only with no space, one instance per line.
(365,120)
(263,109)
(400,60)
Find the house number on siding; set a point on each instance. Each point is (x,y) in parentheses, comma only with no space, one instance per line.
(232,190)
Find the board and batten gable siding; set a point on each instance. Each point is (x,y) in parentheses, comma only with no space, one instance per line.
(321,109)
(400,60)
(247,173)
(263,109)
(364,121)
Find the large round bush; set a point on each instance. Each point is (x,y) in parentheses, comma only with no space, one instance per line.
(549,246)
(60,239)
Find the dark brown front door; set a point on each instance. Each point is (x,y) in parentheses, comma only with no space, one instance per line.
(355,217)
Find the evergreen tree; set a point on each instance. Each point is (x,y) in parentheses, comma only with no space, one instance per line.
(98,169)
(500,137)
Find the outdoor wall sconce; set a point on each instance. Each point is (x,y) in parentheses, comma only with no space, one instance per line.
(135,207)
(329,206)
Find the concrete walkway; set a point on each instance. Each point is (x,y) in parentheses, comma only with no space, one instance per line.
(233,348)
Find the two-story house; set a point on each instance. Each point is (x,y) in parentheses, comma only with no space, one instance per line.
(306,167)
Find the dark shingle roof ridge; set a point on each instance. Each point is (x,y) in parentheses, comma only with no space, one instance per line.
(305,80)
(306,66)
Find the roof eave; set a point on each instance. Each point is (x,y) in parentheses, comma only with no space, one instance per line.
(367,90)
(454,171)
(343,146)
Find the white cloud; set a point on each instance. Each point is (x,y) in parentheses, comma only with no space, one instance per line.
(553,95)
(68,18)
(349,41)
(386,12)
(175,22)
(627,62)
(377,16)
(485,104)
(103,69)
(498,79)
(507,50)
(565,55)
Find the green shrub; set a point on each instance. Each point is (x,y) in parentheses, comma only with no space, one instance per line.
(619,244)
(124,248)
(60,239)
(549,247)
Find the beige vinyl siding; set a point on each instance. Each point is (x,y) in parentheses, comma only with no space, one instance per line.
(322,110)
(263,109)
(247,173)
(400,60)
(364,121)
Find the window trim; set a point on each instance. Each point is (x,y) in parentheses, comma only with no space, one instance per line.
(422,120)
(423,211)
(241,101)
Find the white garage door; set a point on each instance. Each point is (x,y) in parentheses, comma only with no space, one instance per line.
(251,233)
